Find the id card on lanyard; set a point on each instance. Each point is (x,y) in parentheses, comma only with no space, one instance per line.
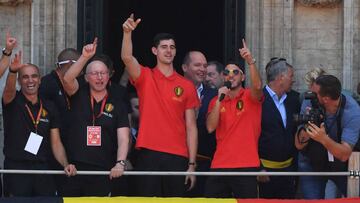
(34,141)
(93,133)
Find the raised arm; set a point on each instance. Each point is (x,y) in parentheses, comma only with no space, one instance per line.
(10,85)
(71,85)
(255,84)
(5,58)
(59,152)
(131,64)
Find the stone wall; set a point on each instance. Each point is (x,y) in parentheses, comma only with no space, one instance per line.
(42,28)
(307,36)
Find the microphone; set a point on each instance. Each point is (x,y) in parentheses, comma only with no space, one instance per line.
(228,85)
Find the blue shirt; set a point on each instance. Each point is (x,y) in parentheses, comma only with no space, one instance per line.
(279,103)
(350,121)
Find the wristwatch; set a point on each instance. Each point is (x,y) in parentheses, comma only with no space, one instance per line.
(253,61)
(4,52)
(121,162)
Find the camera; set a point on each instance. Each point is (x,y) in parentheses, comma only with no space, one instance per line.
(314,115)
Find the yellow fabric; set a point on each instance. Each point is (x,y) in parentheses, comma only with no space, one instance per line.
(276,164)
(144,199)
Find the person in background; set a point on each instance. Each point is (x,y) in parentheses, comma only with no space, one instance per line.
(213,76)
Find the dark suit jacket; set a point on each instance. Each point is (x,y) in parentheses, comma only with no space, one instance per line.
(207,142)
(276,142)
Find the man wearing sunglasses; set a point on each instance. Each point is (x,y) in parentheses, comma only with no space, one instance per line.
(276,149)
(51,88)
(235,115)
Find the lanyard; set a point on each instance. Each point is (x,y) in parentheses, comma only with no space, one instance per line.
(35,122)
(63,91)
(101,109)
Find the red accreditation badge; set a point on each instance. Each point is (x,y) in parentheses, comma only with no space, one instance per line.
(93,135)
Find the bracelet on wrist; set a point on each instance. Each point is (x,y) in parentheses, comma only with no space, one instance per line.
(5,53)
(12,71)
(192,164)
(121,162)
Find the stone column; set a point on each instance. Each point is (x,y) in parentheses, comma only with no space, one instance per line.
(53,28)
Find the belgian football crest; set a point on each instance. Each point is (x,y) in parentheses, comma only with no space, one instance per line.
(109,107)
(240,105)
(178,91)
(44,113)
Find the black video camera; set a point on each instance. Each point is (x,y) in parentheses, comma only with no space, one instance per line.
(314,115)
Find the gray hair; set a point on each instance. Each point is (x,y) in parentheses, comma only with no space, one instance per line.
(276,69)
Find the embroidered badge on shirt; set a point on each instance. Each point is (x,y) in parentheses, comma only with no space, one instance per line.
(240,105)
(44,113)
(109,107)
(178,91)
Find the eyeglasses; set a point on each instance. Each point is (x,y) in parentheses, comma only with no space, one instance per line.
(95,73)
(227,72)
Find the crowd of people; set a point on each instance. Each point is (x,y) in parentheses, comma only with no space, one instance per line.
(75,118)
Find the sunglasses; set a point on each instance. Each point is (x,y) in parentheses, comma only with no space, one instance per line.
(65,62)
(227,72)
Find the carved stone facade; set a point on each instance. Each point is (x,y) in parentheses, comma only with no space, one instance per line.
(307,36)
(320,3)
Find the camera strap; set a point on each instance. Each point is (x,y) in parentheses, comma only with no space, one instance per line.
(338,115)
(338,118)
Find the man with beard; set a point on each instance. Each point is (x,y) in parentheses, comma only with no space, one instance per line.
(167,137)
(235,115)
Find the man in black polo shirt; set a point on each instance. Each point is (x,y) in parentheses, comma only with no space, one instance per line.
(51,88)
(31,127)
(99,127)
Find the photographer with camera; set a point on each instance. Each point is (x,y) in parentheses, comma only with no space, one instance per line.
(328,134)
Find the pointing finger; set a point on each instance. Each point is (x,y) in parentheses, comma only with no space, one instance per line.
(244,43)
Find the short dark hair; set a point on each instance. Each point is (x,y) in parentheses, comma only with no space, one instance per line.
(330,86)
(68,54)
(33,65)
(162,36)
(219,66)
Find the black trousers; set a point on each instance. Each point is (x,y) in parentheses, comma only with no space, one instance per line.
(231,186)
(28,185)
(279,187)
(160,186)
(87,185)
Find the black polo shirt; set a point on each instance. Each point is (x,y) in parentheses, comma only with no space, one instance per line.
(18,125)
(52,89)
(114,116)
